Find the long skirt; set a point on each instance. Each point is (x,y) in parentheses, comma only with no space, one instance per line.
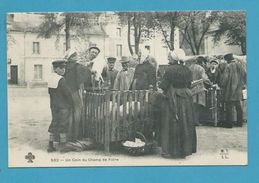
(178,136)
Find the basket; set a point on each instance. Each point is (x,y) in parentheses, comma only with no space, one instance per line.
(197,87)
(140,150)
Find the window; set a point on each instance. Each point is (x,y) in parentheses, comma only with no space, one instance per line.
(64,47)
(38,72)
(92,45)
(147,47)
(119,50)
(36,48)
(118,32)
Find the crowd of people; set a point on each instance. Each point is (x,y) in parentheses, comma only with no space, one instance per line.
(176,110)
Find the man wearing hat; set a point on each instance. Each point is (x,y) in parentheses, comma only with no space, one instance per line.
(109,73)
(233,83)
(213,72)
(125,76)
(60,105)
(92,53)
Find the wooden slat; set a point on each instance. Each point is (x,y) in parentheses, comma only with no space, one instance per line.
(107,125)
(113,117)
(135,105)
(149,104)
(146,103)
(141,101)
(103,117)
(130,117)
(94,115)
(124,123)
(86,116)
(118,115)
(91,116)
(99,117)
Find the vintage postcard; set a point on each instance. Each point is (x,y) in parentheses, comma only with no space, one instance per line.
(126,88)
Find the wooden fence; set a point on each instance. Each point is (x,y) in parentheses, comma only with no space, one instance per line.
(115,115)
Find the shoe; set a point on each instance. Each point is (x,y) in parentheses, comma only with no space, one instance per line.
(198,124)
(227,125)
(239,125)
(51,149)
(220,124)
(167,156)
(64,148)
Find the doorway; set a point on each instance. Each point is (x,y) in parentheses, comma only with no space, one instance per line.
(14,75)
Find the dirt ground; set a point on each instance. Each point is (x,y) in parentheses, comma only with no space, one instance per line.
(29,118)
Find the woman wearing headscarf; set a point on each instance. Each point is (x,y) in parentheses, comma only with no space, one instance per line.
(178,134)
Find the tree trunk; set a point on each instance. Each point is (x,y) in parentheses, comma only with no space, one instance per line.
(135,32)
(172,37)
(138,36)
(243,47)
(172,26)
(164,34)
(67,31)
(129,41)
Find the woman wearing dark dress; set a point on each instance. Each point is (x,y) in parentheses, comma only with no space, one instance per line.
(178,134)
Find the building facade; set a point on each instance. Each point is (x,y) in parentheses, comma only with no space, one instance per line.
(30,56)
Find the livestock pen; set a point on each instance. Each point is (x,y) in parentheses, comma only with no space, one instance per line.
(112,116)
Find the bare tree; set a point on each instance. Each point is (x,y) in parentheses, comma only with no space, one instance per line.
(194,26)
(167,22)
(138,23)
(54,23)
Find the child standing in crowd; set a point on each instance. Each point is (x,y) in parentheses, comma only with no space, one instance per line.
(60,105)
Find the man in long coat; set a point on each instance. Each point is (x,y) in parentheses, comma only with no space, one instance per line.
(144,76)
(125,76)
(233,84)
(109,73)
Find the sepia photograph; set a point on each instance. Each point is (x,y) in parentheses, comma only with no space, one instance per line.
(140,88)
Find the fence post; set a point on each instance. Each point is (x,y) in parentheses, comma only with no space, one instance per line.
(107,123)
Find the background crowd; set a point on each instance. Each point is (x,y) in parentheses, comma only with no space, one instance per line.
(177,109)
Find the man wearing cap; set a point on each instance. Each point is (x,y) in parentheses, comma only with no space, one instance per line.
(92,53)
(233,83)
(125,76)
(60,105)
(213,72)
(109,73)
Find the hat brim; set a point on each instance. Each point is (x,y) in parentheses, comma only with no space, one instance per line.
(94,47)
(214,61)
